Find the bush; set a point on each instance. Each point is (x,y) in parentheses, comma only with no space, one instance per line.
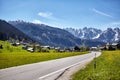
(45,50)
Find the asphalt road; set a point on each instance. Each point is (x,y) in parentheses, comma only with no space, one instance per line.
(42,70)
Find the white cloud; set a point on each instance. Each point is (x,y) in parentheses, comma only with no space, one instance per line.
(45,14)
(36,21)
(101,13)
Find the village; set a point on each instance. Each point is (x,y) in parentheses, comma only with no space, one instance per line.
(36,47)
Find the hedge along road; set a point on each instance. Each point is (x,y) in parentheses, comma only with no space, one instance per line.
(44,70)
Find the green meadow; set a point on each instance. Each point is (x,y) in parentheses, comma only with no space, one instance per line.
(107,68)
(14,55)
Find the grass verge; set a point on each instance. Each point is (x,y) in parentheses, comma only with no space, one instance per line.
(107,68)
(14,56)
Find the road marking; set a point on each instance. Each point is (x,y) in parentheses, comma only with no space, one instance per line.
(67,67)
(63,69)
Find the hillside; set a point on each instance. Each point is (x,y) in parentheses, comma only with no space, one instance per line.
(7,31)
(48,35)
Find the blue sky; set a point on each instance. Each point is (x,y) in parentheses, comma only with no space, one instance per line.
(63,13)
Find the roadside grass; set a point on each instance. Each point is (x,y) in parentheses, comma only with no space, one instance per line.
(107,68)
(14,56)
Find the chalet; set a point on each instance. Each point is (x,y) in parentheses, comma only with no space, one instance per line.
(47,47)
(69,49)
(118,46)
(61,50)
(24,47)
(114,45)
(15,44)
(94,49)
(30,49)
(107,45)
(102,48)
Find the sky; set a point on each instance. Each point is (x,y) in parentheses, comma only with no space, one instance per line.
(63,13)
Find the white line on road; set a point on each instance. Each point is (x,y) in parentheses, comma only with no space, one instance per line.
(62,69)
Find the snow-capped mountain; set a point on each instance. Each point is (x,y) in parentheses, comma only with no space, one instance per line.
(110,35)
(48,35)
(85,33)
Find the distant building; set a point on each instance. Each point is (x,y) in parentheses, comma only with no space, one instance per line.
(114,45)
(15,44)
(30,49)
(94,49)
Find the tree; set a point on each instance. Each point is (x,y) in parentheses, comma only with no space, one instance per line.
(77,48)
(1,47)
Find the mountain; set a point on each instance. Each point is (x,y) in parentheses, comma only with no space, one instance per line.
(48,35)
(110,35)
(7,31)
(85,33)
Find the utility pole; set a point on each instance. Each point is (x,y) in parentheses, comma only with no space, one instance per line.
(95,62)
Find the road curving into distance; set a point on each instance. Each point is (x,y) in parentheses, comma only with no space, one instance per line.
(48,70)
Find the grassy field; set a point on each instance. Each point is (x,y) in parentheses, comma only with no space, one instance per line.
(14,56)
(107,68)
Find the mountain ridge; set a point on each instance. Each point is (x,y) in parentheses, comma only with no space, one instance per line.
(110,35)
(50,35)
(8,31)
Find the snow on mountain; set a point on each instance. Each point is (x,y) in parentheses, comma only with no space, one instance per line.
(110,35)
(85,33)
(47,35)
(117,35)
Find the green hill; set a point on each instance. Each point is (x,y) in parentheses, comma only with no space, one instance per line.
(14,55)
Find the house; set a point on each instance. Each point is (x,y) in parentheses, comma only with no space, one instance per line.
(94,49)
(15,44)
(24,47)
(57,49)
(61,50)
(107,45)
(118,46)
(47,47)
(102,48)
(69,49)
(114,45)
(30,49)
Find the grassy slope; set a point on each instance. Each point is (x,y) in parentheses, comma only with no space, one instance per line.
(14,56)
(108,68)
